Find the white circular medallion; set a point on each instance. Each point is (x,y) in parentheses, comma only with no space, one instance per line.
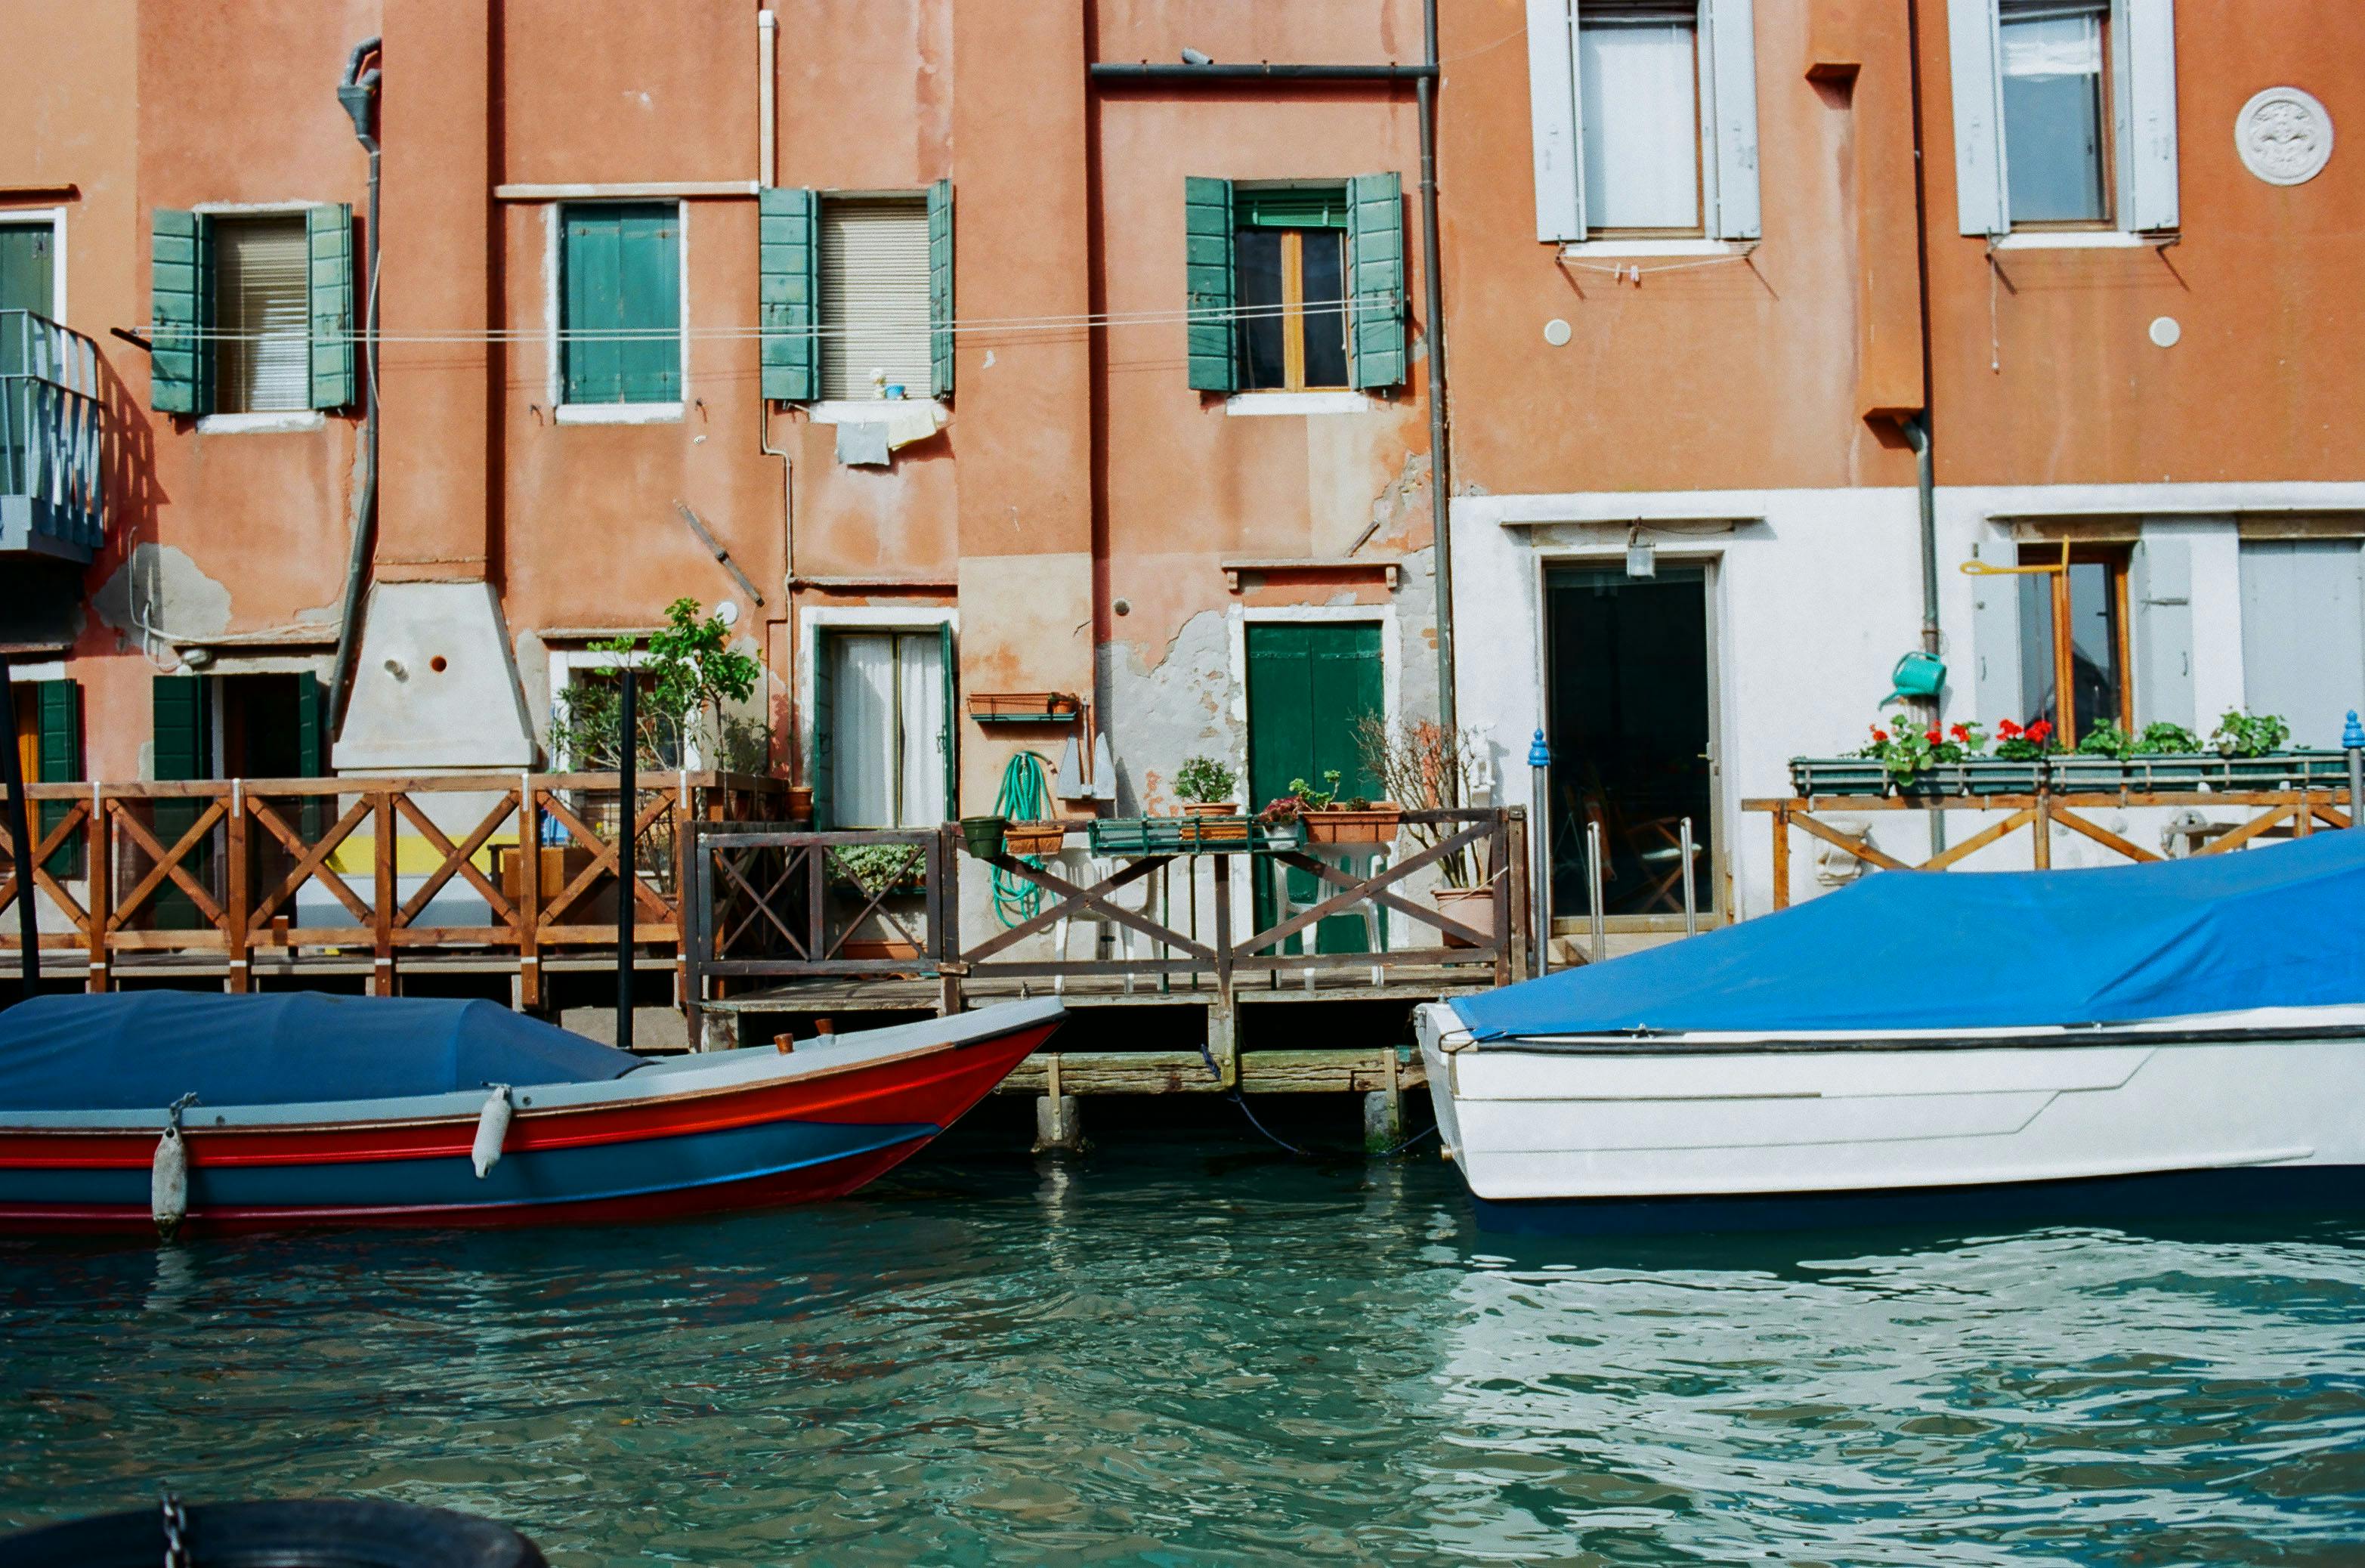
(2165,331)
(1556,333)
(2284,136)
(728,613)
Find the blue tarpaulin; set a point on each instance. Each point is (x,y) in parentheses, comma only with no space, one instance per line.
(2262,928)
(133,1050)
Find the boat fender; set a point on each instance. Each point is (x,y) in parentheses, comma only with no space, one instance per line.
(168,1173)
(492,1128)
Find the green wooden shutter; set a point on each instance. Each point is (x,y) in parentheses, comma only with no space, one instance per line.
(1376,279)
(649,306)
(592,270)
(949,738)
(940,289)
(312,739)
(1208,286)
(824,719)
(180,720)
(330,284)
(181,732)
(59,703)
(180,308)
(789,298)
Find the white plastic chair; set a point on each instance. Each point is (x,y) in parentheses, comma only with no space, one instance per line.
(1085,869)
(1361,861)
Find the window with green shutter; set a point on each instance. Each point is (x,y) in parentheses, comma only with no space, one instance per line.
(182,748)
(788,292)
(940,289)
(620,292)
(1295,287)
(252,313)
(59,705)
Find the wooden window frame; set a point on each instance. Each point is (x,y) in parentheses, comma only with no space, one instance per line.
(1293,313)
(2053,562)
(2107,107)
(1703,112)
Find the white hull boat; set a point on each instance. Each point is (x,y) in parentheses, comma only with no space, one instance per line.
(1572,1107)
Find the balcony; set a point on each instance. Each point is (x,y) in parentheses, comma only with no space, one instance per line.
(50,501)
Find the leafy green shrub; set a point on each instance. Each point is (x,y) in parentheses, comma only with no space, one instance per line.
(2159,737)
(1203,781)
(2249,735)
(875,868)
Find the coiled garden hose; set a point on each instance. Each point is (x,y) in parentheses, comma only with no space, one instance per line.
(1024,796)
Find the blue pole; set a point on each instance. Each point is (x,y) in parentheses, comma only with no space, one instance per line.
(1539,812)
(2352,741)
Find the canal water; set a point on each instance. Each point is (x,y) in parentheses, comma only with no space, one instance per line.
(1187,1353)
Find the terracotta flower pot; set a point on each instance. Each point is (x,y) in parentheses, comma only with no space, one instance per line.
(1376,825)
(1473,907)
(1039,839)
(1211,808)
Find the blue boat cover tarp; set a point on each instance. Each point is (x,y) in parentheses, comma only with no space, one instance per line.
(135,1050)
(2277,926)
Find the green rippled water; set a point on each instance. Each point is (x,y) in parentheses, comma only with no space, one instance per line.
(1184,1354)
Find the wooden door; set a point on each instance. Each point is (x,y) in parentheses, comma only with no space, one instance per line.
(1310,684)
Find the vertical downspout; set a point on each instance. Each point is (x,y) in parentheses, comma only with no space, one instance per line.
(1439,501)
(768,173)
(767,43)
(1917,429)
(358,94)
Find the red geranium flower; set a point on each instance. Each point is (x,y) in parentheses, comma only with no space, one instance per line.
(2039,730)
(2008,731)
(1960,731)
(1879,735)
(1931,734)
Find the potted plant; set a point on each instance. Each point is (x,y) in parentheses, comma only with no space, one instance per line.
(1205,788)
(1926,759)
(1329,820)
(1422,764)
(879,871)
(985,837)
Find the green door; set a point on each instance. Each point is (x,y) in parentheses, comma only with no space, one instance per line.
(1310,685)
(26,283)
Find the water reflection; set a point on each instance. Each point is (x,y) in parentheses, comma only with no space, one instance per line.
(1209,1356)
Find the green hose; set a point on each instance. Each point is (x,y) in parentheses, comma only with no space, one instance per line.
(1026,797)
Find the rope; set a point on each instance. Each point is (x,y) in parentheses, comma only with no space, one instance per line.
(1025,796)
(1233,1094)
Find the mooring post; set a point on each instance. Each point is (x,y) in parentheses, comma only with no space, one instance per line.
(627,811)
(1539,775)
(20,843)
(1384,1108)
(2352,741)
(1058,1125)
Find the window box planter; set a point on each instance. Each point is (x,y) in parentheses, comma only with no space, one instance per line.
(2175,772)
(1190,835)
(1375,825)
(1022,707)
(1838,775)
(1976,775)
(2289,770)
(1040,840)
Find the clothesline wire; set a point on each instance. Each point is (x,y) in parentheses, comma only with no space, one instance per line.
(180,332)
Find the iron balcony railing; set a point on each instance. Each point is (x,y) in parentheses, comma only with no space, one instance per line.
(51,502)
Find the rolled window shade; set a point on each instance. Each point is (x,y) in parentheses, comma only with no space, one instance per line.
(874,294)
(263,314)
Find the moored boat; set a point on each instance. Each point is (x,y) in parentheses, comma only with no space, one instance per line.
(2045,1044)
(134,1108)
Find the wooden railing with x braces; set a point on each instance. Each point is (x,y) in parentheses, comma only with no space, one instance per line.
(141,845)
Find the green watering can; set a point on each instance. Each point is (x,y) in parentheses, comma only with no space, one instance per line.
(1917,676)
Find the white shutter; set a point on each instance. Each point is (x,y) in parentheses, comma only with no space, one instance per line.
(2146,128)
(874,295)
(1729,54)
(1979,117)
(262,310)
(1995,637)
(2160,584)
(1551,105)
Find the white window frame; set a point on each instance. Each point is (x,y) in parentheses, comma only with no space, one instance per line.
(267,421)
(565,662)
(553,239)
(2139,41)
(861,618)
(54,217)
(1729,207)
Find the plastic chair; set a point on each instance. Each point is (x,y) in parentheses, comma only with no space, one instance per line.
(1086,869)
(1361,861)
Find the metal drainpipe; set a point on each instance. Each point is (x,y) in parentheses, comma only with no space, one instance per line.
(358,93)
(1439,427)
(1917,436)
